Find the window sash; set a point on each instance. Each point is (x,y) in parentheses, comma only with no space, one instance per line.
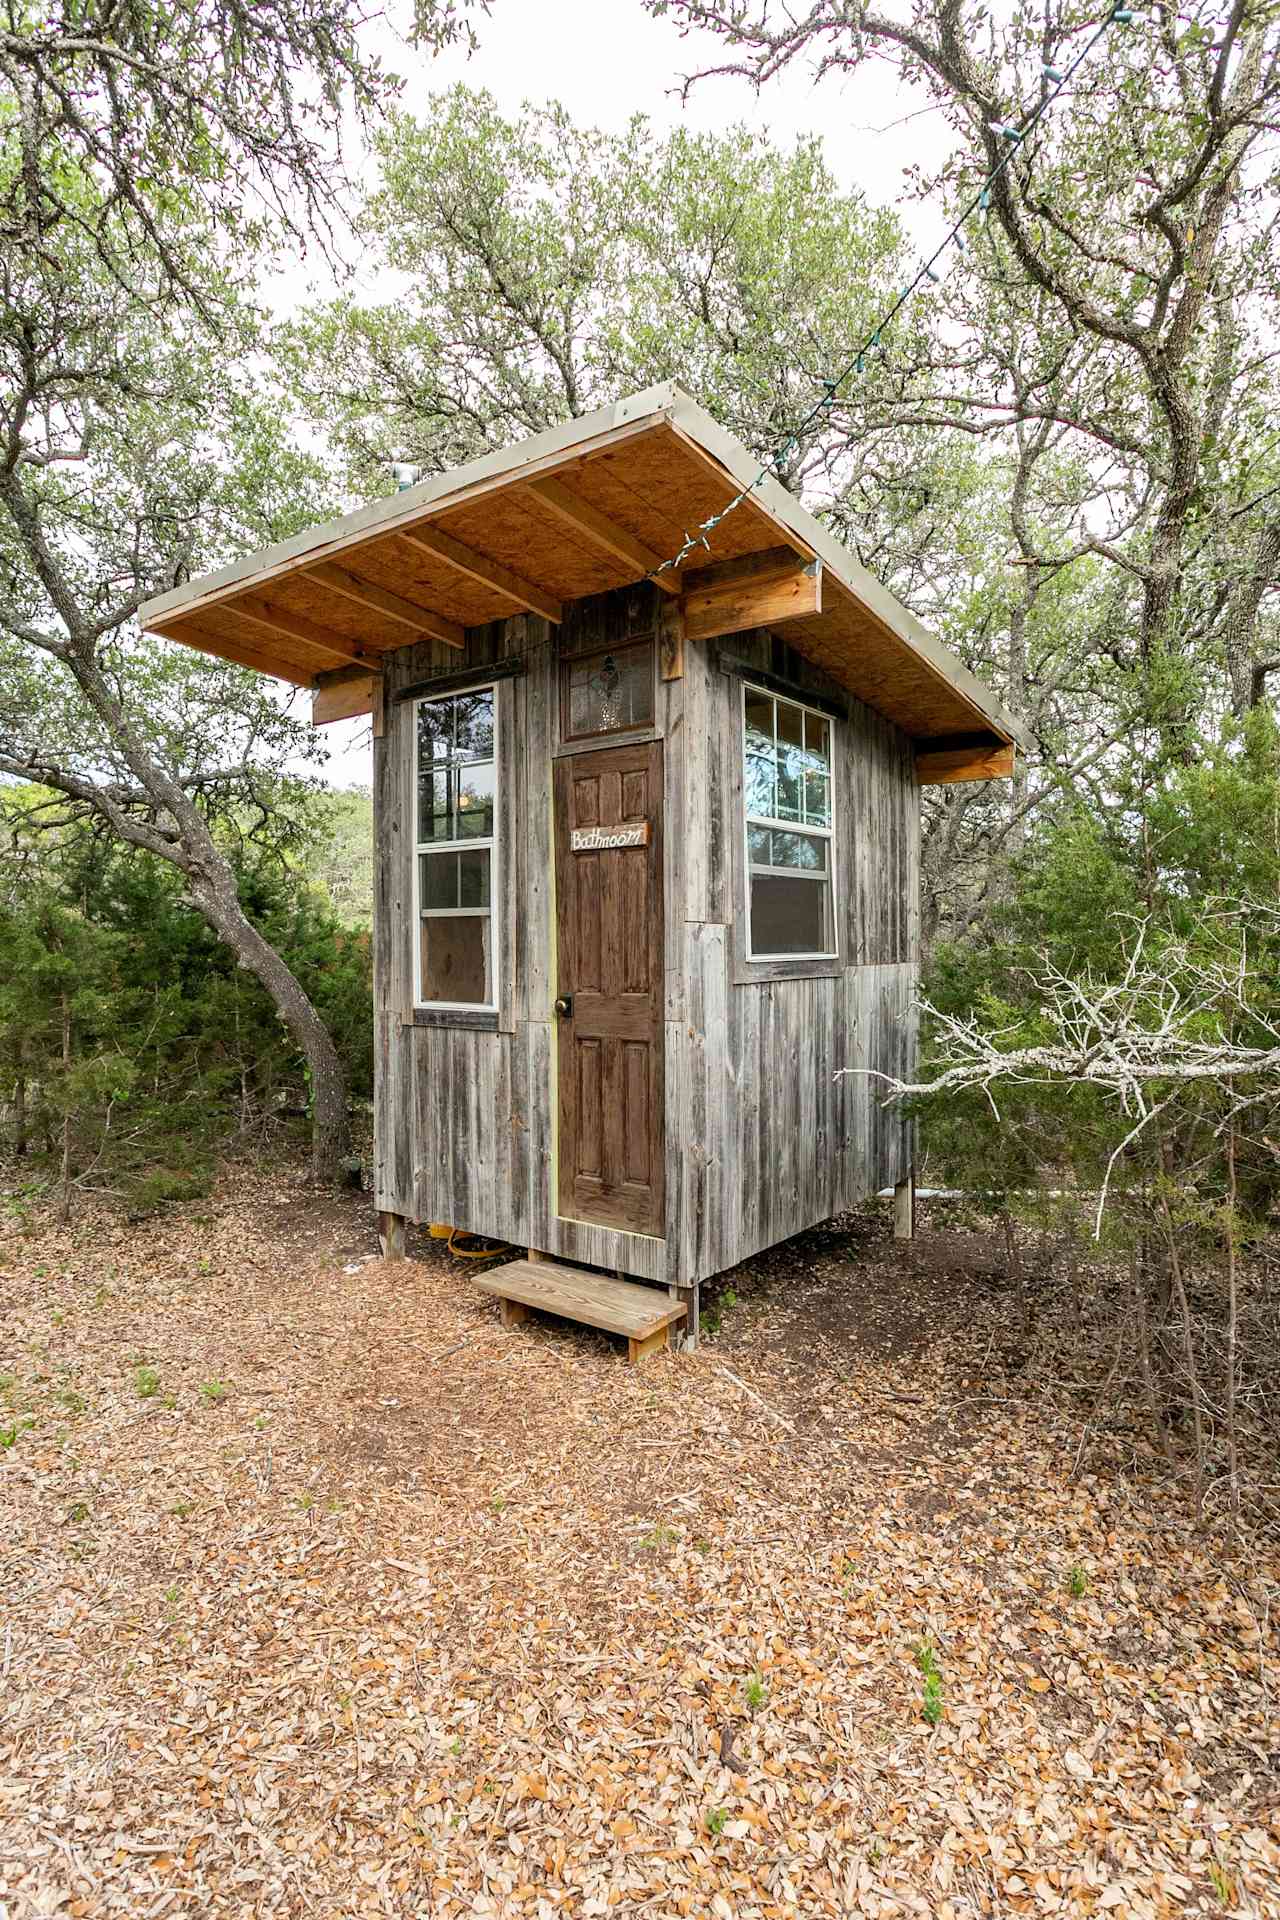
(810,829)
(456,761)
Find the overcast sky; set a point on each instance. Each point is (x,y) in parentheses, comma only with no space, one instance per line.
(606,60)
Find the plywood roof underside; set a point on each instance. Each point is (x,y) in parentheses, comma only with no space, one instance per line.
(653,475)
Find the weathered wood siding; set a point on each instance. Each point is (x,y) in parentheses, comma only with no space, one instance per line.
(765,1134)
(768,1131)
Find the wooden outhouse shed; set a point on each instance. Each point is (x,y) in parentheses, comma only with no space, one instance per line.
(646,843)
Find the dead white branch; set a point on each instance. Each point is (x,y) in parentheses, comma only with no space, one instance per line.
(1165,1023)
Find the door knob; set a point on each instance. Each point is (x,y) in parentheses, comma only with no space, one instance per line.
(564,1005)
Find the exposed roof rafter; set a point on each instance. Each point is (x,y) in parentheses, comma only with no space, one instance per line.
(598,528)
(334,646)
(365,593)
(490,573)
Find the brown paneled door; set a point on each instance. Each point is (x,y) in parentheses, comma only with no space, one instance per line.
(609,1004)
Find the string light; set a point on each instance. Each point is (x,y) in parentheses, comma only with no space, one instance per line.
(1013,134)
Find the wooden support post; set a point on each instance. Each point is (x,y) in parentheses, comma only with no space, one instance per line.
(904,1208)
(513,1312)
(391,1228)
(656,1342)
(687,1330)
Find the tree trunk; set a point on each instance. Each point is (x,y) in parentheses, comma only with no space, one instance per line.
(214,891)
(180,834)
(65,1213)
(20,1110)
(1233,1312)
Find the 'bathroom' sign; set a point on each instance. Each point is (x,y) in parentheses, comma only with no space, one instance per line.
(599,839)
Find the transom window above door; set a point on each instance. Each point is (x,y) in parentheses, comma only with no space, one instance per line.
(607,692)
(456,850)
(787,789)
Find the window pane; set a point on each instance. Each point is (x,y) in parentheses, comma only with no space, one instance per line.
(607,692)
(790,761)
(787,762)
(788,801)
(456,782)
(759,714)
(456,803)
(790,729)
(475,791)
(457,960)
(799,850)
(438,881)
(817,798)
(817,740)
(760,787)
(433,804)
(473,878)
(435,730)
(473,720)
(789,914)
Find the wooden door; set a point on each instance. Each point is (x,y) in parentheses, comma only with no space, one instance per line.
(609,942)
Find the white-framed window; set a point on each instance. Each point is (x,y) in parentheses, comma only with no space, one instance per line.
(455,862)
(788,779)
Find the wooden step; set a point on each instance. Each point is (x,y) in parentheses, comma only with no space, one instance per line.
(643,1314)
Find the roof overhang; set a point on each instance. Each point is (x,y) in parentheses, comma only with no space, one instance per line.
(591,505)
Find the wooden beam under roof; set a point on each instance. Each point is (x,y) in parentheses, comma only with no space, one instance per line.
(335,647)
(364,593)
(601,531)
(755,590)
(489,573)
(342,695)
(942,766)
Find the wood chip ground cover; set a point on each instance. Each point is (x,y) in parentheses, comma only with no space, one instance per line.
(325,1595)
